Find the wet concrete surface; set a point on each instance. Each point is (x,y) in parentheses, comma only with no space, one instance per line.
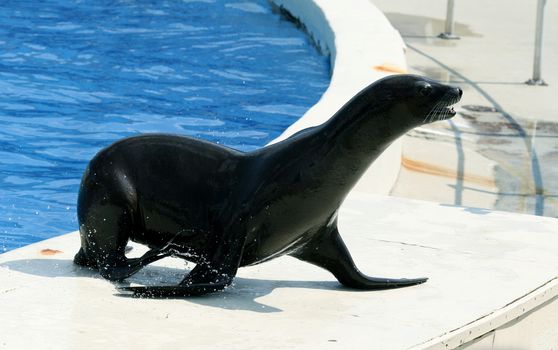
(501,150)
(524,152)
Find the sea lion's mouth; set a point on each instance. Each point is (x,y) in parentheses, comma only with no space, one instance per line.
(443,110)
(445,113)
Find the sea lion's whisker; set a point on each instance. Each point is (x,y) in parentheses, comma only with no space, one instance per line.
(431,119)
(441,111)
(446,111)
(440,107)
(427,115)
(431,113)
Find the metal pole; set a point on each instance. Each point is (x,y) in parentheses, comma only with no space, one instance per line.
(448,33)
(536,79)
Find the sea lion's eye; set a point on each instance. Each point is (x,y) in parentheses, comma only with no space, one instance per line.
(425,90)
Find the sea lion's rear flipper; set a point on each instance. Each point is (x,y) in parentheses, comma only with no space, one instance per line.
(327,250)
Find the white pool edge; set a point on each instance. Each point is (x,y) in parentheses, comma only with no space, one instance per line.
(480,333)
(364,47)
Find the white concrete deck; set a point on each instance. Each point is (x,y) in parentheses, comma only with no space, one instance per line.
(479,264)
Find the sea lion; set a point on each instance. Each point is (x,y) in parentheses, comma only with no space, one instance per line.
(223,209)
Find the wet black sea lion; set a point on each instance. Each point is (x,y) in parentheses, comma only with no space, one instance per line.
(223,209)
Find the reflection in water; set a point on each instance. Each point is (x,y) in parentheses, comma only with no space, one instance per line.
(75,76)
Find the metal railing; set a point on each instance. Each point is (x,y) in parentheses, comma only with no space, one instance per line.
(536,79)
(448,32)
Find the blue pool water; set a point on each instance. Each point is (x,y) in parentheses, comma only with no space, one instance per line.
(78,75)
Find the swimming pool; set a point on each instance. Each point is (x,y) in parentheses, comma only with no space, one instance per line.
(76,76)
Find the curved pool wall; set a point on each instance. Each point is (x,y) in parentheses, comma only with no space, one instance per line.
(364,47)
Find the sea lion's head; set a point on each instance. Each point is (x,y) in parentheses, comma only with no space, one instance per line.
(418,99)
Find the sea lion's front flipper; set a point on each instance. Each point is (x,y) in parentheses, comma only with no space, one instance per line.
(327,250)
(173,291)
(201,280)
(207,277)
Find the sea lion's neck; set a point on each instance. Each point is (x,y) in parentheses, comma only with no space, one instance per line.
(356,135)
(325,162)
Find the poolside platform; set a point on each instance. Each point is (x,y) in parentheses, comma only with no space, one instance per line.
(486,269)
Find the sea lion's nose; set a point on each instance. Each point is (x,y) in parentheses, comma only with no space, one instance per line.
(459,92)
